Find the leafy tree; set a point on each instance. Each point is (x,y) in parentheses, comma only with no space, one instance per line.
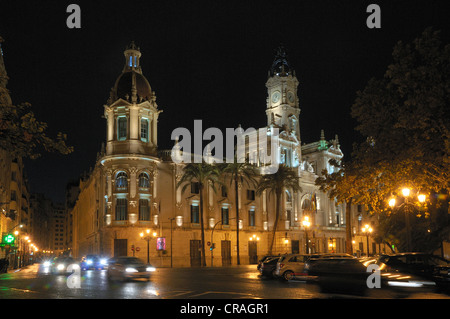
(284,178)
(405,115)
(22,135)
(239,173)
(405,120)
(202,174)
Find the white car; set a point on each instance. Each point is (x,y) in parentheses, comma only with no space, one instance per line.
(123,268)
(290,266)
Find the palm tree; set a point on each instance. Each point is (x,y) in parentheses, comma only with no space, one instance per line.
(284,178)
(200,173)
(239,173)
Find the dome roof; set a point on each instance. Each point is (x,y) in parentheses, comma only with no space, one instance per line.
(124,86)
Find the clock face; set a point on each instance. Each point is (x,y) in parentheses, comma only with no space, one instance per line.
(291,97)
(276,97)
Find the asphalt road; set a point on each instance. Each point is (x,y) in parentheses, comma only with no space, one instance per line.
(235,282)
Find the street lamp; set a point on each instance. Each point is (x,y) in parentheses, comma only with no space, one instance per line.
(367,230)
(406,192)
(147,238)
(306,223)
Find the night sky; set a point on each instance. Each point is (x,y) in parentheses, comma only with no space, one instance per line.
(205,60)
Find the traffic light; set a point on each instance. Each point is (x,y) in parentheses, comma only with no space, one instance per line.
(213,245)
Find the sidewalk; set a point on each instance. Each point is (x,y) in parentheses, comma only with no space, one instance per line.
(12,270)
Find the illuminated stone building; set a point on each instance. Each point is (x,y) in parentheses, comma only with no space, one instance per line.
(14,190)
(132,187)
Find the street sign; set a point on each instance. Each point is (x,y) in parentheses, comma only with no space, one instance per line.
(8,239)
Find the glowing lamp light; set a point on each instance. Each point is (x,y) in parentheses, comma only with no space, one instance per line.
(306,221)
(179,221)
(392,202)
(422,198)
(212,222)
(406,191)
(367,228)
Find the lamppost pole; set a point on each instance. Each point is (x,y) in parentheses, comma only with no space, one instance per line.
(306,223)
(405,206)
(367,230)
(171,241)
(147,238)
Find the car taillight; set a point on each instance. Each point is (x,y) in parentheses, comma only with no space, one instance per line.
(281,265)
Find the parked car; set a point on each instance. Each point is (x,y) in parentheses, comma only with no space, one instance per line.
(426,266)
(93,262)
(260,262)
(60,265)
(290,266)
(269,266)
(314,257)
(295,266)
(123,268)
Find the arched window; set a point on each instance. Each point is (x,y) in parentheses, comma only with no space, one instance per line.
(288,196)
(144,181)
(306,205)
(121,181)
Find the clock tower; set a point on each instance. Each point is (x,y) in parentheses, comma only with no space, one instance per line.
(283,109)
(282,101)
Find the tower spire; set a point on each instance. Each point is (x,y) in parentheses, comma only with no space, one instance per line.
(281,65)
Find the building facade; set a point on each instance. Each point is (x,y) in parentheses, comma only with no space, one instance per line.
(14,190)
(132,187)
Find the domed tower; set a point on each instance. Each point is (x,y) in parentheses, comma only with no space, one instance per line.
(131,111)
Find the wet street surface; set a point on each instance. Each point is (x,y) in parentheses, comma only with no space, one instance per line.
(235,282)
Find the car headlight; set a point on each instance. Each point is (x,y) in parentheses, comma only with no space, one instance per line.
(103,261)
(47,264)
(89,262)
(150,269)
(60,267)
(129,269)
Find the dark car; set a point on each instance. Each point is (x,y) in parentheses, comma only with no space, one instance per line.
(426,266)
(60,265)
(341,275)
(123,268)
(260,262)
(314,258)
(352,276)
(93,262)
(269,266)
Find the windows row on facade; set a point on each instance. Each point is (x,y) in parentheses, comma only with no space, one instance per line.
(123,128)
(121,181)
